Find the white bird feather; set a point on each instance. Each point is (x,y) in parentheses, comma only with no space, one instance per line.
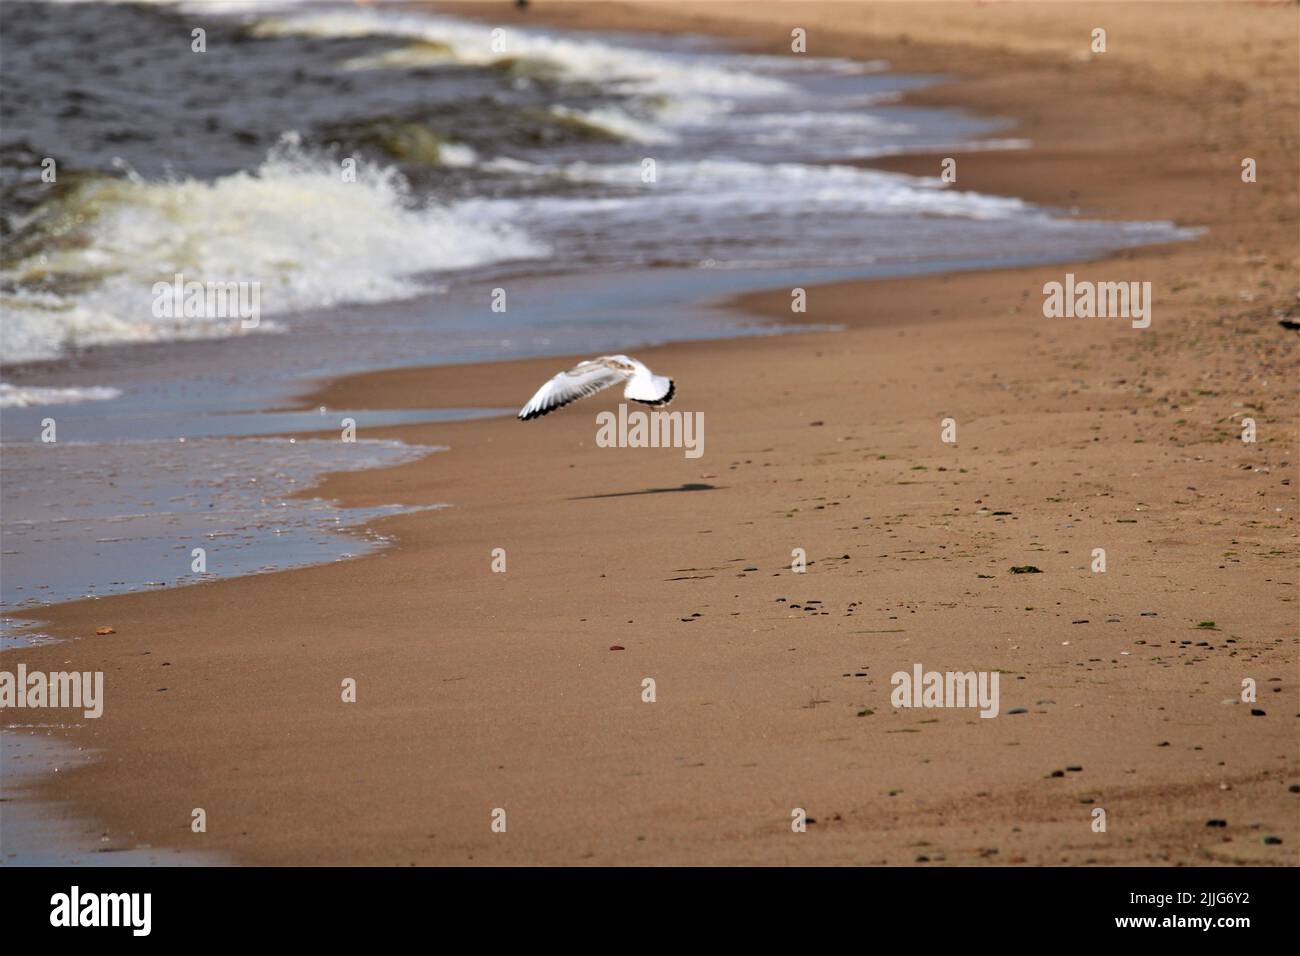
(588,378)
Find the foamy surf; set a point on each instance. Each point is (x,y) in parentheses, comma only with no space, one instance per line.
(295,226)
(669,87)
(18,396)
(793,189)
(437,38)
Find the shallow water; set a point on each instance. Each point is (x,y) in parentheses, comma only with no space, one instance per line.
(202,509)
(33,834)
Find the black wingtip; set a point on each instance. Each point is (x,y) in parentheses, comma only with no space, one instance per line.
(668,396)
(538,413)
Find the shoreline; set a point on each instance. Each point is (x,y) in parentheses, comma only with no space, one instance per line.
(787,711)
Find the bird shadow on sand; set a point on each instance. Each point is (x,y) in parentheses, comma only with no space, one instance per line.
(696,486)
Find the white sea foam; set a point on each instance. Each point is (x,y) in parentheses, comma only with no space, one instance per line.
(293,225)
(19,396)
(728,213)
(675,90)
(625,68)
(797,187)
(456,155)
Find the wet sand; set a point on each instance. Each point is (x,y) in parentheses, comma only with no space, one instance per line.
(479,690)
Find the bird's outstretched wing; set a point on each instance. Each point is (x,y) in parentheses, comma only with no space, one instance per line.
(585,378)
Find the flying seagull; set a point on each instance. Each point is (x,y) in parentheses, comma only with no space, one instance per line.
(588,378)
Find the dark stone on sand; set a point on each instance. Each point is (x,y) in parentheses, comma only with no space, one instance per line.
(1216,823)
(1018,710)
(1272,840)
(1025,569)
(1058,773)
(1075,768)
(617,647)
(1256,712)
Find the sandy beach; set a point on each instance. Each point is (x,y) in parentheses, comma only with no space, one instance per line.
(523,690)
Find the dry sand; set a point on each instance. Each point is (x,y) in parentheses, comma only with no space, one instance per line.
(480,690)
